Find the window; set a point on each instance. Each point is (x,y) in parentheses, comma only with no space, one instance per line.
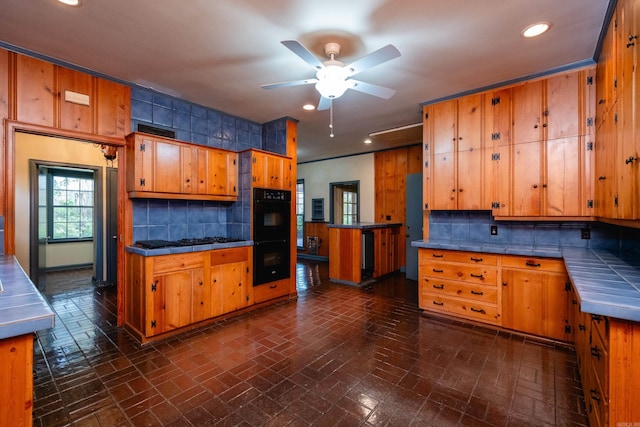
(345,208)
(300,213)
(70,205)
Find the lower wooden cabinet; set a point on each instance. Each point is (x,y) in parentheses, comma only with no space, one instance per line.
(167,292)
(535,296)
(526,294)
(459,283)
(271,290)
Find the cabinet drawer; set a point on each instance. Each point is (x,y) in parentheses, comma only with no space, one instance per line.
(472,291)
(468,273)
(472,310)
(427,255)
(166,263)
(534,263)
(270,290)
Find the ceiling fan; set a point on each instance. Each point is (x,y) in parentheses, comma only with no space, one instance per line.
(333,77)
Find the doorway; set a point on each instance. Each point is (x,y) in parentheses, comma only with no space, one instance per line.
(344,200)
(66,236)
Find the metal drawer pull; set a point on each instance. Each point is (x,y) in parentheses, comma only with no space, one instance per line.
(437,271)
(532,264)
(477,276)
(476,259)
(438,303)
(437,255)
(438,286)
(481,311)
(477,293)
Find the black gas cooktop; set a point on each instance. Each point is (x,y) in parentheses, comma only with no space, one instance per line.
(155,244)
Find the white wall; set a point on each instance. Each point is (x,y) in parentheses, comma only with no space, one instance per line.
(37,147)
(318,175)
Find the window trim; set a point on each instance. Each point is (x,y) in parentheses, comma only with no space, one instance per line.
(68,173)
(333,186)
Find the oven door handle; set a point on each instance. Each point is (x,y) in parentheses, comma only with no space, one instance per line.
(265,242)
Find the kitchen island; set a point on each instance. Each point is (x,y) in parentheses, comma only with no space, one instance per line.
(23,311)
(362,252)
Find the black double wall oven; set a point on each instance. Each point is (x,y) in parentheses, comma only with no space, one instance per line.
(271,235)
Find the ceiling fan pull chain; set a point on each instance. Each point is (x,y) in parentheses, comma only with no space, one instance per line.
(331,118)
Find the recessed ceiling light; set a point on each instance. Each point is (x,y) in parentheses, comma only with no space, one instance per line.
(535,30)
(70,2)
(368,141)
(308,107)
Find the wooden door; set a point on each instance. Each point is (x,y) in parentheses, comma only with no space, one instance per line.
(144,164)
(201,296)
(527,112)
(562,114)
(178,303)
(562,186)
(427,157)
(189,170)
(203,165)
(259,170)
(555,297)
(525,181)
(497,156)
(605,166)
(218,173)
(443,177)
(470,154)
(167,167)
(231,280)
(522,301)
(275,166)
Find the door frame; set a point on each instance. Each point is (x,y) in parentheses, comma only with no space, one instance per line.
(8,189)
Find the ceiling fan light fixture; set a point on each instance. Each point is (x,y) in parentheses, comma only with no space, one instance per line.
(332,81)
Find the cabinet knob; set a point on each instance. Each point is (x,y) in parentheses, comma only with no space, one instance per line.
(454,190)
(631,159)
(460,190)
(535,126)
(544,185)
(602,178)
(188,180)
(535,185)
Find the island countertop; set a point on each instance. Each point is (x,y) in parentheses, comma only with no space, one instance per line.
(366,225)
(23,310)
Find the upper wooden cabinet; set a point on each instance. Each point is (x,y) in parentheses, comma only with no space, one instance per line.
(269,170)
(617,142)
(521,151)
(163,168)
(454,162)
(58,97)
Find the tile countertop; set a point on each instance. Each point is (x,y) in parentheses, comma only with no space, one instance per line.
(608,282)
(23,310)
(366,225)
(182,249)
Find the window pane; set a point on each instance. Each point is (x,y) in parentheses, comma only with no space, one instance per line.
(71,213)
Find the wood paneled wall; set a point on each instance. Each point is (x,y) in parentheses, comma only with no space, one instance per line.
(391,169)
(320,230)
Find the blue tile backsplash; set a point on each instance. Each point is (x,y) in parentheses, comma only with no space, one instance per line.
(176,219)
(474,226)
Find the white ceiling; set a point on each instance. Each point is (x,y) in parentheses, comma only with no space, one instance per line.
(217,53)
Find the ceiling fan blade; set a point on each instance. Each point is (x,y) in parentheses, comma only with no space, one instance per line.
(377,57)
(289,83)
(324,103)
(308,57)
(371,89)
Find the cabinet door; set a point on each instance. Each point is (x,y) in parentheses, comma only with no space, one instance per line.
(527,111)
(223,173)
(498,153)
(275,167)
(201,296)
(522,301)
(259,170)
(470,154)
(230,287)
(443,177)
(189,172)
(167,167)
(564,194)
(525,188)
(427,164)
(555,295)
(605,166)
(178,297)
(144,165)
(35,98)
(562,113)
